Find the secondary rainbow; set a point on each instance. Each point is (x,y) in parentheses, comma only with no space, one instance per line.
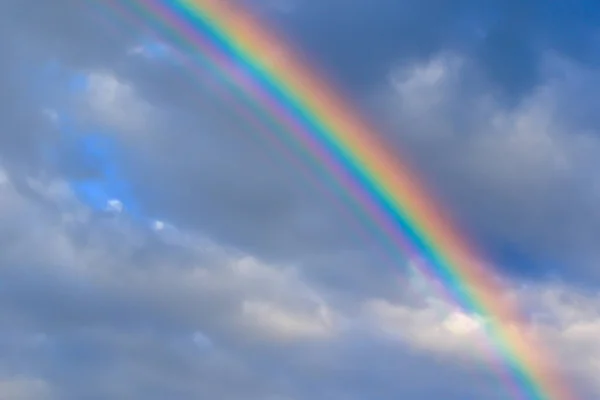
(390,193)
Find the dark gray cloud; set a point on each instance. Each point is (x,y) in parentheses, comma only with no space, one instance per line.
(521,179)
(358,41)
(122,312)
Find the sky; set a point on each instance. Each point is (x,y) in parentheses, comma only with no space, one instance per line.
(153,245)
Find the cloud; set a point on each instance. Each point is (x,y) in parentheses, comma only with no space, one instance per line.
(504,38)
(520,178)
(432,328)
(571,320)
(98,287)
(282,324)
(163,308)
(114,103)
(565,318)
(221,271)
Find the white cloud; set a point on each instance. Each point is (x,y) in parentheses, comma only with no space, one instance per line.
(569,320)
(437,328)
(458,323)
(115,205)
(158,225)
(218,291)
(185,301)
(115,103)
(523,174)
(422,87)
(565,321)
(280,324)
(274,298)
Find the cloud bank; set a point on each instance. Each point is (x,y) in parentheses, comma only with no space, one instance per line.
(153,247)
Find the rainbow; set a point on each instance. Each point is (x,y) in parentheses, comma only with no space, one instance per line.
(265,69)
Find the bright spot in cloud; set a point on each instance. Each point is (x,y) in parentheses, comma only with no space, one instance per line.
(115,205)
(284,324)
(461,324)
(158,225)
(112,101)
